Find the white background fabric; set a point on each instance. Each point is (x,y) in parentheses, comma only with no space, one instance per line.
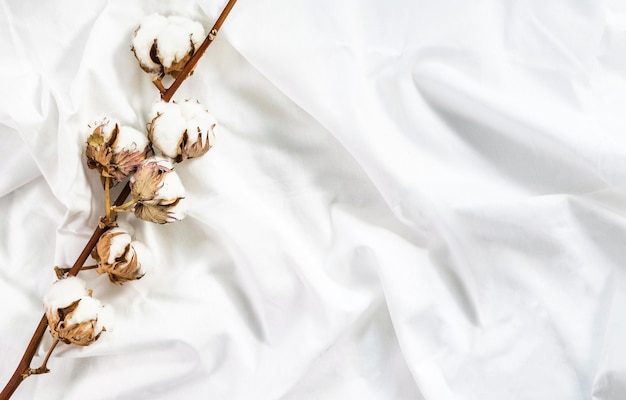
(406,200)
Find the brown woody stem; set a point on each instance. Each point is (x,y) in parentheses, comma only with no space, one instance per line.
(23,369)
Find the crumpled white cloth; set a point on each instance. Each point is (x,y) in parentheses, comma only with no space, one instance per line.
(406,200)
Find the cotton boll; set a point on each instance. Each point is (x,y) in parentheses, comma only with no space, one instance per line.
(72,313)
(158,192)
(117,256)
(181,131)
(143,40)
(115,150)
(163,45)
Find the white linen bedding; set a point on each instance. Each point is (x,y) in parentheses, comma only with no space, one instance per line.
(406,200)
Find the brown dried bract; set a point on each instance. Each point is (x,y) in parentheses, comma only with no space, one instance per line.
(82,334)
(144,186)
(157,211)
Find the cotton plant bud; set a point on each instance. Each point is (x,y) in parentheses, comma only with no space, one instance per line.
(121,257)
(73,315)
(163,45)
(181,131)
(158,192)
(116,150)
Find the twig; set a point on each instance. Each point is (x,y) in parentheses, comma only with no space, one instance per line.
(61,272)
(43,369)
(107,198)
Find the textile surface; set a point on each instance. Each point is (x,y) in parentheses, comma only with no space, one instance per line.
(406,200)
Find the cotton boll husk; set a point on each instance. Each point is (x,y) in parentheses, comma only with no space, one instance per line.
(170,122)
(144,255)
(144,39)
(64,292)
(130,139)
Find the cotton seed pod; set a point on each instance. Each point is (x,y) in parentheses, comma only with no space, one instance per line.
(121,257)
(158,192)
(163,45)
(181,131)
(115,150)
(73,315)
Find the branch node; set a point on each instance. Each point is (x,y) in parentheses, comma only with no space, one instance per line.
(158,82)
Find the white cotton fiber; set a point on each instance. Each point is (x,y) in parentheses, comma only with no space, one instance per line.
(64,292)
(130,139)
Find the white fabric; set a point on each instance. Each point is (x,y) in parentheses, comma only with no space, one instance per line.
(406,200)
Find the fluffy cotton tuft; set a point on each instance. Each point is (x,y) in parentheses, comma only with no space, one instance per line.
(64,292)
(144,255)
(130,139)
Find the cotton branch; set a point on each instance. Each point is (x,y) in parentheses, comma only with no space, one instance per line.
(23,369)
